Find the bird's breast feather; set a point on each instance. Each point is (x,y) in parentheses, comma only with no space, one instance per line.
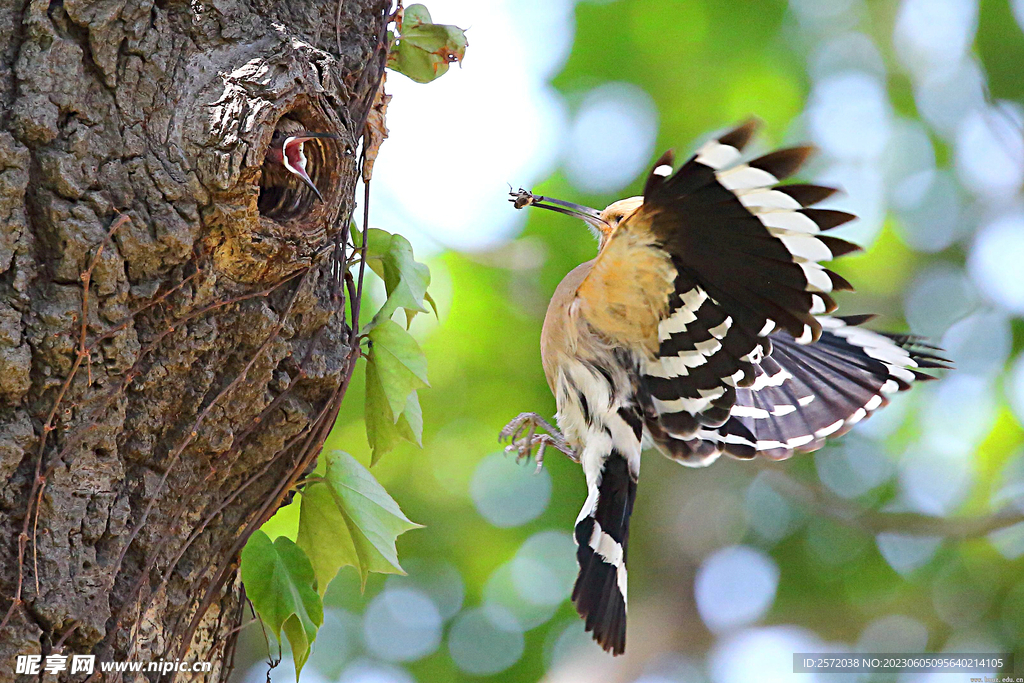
(626,293)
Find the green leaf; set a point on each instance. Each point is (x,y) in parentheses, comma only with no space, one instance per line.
(409,315)
(430,300)
(400,365)
(280,581)
(410,424)
(350,520)
(423,50)
(406,280)
(396,367)
(383,432)
(324,535)
(415,15)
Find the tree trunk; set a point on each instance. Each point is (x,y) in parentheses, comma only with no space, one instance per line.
(173,342)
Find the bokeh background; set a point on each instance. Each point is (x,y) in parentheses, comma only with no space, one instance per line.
(903,536)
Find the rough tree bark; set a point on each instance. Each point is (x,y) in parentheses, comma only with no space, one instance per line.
(172,349)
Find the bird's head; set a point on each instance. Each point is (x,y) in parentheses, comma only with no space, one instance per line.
(286,150)
(601,223)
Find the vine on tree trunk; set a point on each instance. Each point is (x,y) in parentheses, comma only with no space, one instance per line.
(346,518)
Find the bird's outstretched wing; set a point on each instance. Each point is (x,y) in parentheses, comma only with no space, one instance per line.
(750,244)
(803,393)
(716,259)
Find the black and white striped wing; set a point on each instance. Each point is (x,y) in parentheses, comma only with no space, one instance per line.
(755,246)
(806,393)
(747,254)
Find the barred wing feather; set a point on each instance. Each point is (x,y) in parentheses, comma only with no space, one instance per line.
(806,393)
(747,360)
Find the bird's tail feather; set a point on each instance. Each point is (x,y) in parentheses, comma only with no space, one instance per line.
(602,535)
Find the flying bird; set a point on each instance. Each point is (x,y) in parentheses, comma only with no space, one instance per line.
(701,327)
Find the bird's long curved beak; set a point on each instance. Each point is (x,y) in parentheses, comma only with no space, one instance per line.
(524,198)
(309,135)
(309,181)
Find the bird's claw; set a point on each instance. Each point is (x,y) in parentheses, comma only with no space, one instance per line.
(521,432)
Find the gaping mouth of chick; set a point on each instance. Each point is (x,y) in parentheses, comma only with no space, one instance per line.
(283,196)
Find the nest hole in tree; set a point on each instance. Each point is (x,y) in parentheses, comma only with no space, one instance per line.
(284,197)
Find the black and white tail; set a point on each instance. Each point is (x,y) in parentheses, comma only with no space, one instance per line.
(602,537)
(611,463)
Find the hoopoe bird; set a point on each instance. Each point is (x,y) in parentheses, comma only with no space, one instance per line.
(702,328)
(286,156)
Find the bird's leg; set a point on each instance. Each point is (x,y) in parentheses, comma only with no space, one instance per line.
(523,437)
